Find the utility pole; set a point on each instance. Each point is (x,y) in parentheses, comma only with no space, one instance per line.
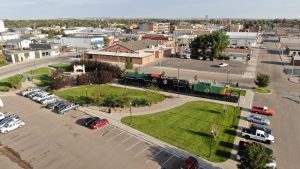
(227,75)
(178,80)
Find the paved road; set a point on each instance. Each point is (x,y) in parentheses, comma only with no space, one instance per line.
(285,99)
(16,68)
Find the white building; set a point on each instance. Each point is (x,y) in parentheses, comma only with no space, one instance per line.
(9,36)
(17,44)
(80,42)
(2,27)
(237,39)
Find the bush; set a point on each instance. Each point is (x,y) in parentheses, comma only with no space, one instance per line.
(262,80)
(15,81)
(114,101)
(140,102)
(128,63)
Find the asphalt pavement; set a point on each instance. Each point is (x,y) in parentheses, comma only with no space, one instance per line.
(285,100)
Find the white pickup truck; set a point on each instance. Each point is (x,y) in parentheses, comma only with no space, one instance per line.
(259,135)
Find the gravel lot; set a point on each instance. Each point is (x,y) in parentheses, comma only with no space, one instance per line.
(50,140)
(235,67)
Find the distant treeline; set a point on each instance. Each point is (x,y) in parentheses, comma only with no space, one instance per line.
(126,22)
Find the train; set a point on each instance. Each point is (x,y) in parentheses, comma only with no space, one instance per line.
(205,89)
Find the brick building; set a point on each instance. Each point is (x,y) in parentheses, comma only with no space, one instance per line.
(141,52)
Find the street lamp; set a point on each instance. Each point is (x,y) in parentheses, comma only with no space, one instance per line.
(130,104)
(243,68)
(86,94)
(178,80)
(211,140)
(227,75)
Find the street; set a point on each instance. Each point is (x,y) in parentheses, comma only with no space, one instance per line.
(285,99)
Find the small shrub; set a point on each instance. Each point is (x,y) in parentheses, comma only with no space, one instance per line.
(262,80)
(140,102)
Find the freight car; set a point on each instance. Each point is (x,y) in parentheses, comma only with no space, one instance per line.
(205,89)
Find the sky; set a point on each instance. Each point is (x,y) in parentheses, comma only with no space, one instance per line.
(48,9)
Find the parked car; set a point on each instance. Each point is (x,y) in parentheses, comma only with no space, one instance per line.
(8,119)
(39,96)
(2,116)
(263,110)
(54,105)
(190,163)
(258,135)
(259,127)
(90,120)
(48,100)
(223,64)
(43,97)
(262,47)
(31,95)
(12,125)
(27,91)
(66,107)
(258,119)
(98,123)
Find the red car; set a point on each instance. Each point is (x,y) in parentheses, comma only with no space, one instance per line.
(263,110)
(98,123)
(190,163)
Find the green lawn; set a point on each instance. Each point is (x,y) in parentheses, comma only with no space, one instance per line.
(262,90)
(109,95)
(10,82)
(189,126)
(243,92)
(39,71)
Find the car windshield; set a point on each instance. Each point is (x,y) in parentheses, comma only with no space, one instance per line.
(267,135)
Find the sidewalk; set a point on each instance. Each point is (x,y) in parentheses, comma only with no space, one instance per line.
(246,104)
(250,71)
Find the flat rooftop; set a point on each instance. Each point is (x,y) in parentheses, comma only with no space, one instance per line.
(133,55)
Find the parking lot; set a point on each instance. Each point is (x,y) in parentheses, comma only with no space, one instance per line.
(50,140)
(235,67)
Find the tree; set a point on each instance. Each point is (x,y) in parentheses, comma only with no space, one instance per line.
(262,80)
(128,63)
(219,41)
(200,43)
(106,40)
(257,157)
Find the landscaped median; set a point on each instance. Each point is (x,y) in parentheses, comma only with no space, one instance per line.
(189,127)
(262,90)
(40,74)
(106,95)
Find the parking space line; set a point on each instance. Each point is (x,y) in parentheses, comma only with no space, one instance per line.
(141,152)
(132,146)
(114,137)
(166,161)
(126,139)
(154,155)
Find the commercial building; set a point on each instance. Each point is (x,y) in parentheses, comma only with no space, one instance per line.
(238,39)
(9,36)
(155,27)
(140,52)
(17,44)
(80,42)
(290,41)
(36,51)
(236,27)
